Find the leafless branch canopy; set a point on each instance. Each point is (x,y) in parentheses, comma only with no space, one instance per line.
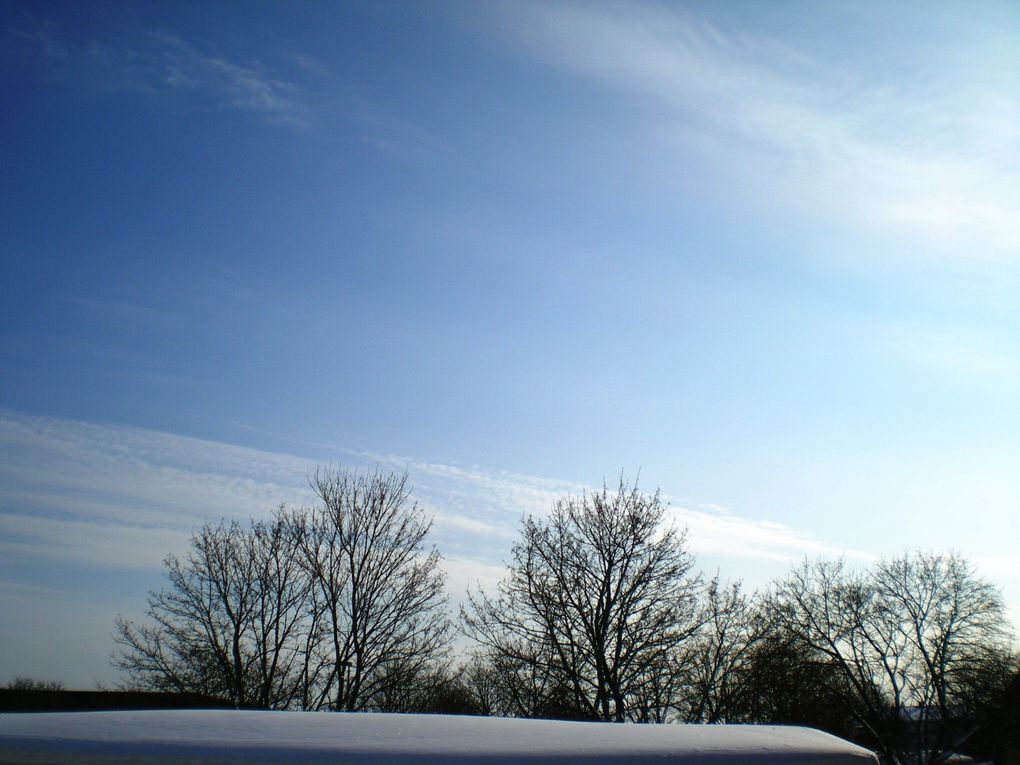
(316,609)
(598,599)
(917,639)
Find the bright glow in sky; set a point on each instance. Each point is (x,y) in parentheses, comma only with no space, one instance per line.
(767,255)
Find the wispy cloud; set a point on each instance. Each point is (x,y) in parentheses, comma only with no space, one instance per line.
(246,87)
(936,160)
(111,545)
(156,64)
(719,533)
(116,496)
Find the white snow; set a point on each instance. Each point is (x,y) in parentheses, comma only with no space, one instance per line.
(379,739)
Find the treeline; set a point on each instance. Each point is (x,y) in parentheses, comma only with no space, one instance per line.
(602,615)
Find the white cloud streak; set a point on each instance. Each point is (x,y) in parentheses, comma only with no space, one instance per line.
(110,545)
(157,64)
(722,534)
(177,65)
(935,160)
(120,497)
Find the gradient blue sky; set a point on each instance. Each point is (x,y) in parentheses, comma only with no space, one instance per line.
(768,254)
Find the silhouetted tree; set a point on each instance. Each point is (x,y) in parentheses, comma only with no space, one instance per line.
(284,619)
(998,735)
(230,623)
(380,591)
(327,608)
(713,667)
(479,678)
(598,599)
(440,690)
(522,684)
(908,638)
(786,682)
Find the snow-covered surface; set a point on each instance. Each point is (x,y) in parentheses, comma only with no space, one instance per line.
(307,737)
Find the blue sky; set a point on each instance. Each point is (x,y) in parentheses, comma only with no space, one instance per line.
(768,256)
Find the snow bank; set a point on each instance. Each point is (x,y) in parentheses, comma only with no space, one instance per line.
(311,737)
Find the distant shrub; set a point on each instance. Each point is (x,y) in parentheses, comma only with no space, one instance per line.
(31,684)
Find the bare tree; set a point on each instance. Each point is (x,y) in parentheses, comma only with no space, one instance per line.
(283,617)
(197,634)
(381,593)
(521,683)
(908,638)
(598,598)
(787,682)
(955,627)
(229,625)
(324,608)
(715,664)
